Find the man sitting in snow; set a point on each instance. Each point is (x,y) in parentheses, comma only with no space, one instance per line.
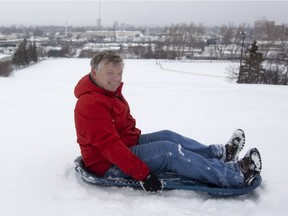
(112,145)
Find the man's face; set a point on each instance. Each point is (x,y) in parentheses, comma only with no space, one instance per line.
(109,76)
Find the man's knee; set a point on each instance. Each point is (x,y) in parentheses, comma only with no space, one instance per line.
(170,147)
(167,134)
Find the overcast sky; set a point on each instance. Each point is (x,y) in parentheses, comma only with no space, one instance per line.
(140,13)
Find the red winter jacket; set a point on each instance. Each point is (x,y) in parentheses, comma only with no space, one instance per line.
(105,130)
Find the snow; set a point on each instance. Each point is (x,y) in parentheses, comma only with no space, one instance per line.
(38,142)
(180,150)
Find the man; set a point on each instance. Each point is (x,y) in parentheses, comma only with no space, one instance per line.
(111,145)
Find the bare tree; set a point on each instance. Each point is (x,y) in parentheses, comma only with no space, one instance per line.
(183,38)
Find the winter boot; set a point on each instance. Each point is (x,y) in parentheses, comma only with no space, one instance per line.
(235,145)
(250,165)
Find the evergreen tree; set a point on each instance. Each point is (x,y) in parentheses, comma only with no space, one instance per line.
(29,52)
(25,54)
(251,71)
(34,53)
(16,59)
(20,57)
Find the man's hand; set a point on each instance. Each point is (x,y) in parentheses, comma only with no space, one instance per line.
(151,184)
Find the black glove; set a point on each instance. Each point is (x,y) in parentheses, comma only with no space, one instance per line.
(151,183)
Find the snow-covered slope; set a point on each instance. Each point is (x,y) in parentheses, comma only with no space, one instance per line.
(38,142)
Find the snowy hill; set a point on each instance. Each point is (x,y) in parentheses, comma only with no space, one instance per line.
(38,142)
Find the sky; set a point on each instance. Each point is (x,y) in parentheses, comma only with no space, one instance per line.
(140,13)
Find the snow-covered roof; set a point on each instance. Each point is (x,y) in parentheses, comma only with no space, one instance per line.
(4,58)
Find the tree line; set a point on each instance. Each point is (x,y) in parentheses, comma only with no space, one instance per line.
(25,54)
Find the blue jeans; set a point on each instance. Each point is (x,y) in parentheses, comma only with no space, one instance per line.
(167,151)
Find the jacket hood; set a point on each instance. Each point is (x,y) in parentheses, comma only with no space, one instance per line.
(86,85)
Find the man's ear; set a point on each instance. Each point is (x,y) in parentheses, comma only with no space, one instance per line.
(93,71)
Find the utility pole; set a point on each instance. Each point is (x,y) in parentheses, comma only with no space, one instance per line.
(99,18)
(241,56)
(240,75)
(66,30)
